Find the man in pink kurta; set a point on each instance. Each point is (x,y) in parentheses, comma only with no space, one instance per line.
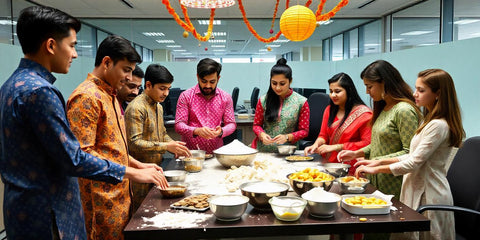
(205,113)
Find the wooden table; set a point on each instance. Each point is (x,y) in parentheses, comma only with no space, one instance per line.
(255,223)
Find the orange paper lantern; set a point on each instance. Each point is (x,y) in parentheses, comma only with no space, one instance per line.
(297,23)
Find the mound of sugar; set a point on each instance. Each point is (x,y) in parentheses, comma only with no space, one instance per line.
(235,147)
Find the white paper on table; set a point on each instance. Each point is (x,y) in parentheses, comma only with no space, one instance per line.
(386,197)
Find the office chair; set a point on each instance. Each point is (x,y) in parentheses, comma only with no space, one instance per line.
(254,98)
(464,181)
(307,92)
(235,93)
(298,90)
(318,102)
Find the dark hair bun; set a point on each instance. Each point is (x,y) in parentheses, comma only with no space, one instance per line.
(282,61)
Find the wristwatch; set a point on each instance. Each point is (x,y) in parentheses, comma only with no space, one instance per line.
(286,135)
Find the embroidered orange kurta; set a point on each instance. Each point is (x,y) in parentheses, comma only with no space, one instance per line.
(96,120)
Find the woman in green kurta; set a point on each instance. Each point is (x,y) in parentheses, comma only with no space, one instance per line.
(395,119)
(282,115)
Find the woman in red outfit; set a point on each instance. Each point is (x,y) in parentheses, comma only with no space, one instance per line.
(345,122)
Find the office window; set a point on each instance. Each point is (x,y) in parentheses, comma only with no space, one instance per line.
(86,39)
(370,38)
(416,26)
(337,47)
(6,22)
(100,36)
(466,23)
(326,49)
(353,43)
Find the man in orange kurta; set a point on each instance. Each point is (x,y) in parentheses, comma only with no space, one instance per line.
(96,120)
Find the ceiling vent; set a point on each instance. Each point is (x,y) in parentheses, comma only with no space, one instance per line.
(238,41)
(364,4)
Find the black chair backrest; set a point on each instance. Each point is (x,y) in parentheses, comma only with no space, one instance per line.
(173,95)
(254,97)
(318,102)
(464,180)
(298,90)
(235,92)
(306,92)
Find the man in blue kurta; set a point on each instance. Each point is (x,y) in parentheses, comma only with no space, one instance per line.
(40,157)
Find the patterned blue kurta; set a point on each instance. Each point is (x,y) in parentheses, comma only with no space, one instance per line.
(40,159)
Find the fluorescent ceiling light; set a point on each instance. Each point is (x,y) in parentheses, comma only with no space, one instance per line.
(153,34)
(415,33)
(217,41)
(219,50)
(217,46)
(262,50)
(395,39)
(7,22)
(273,45)
(466,21)
(84,46)
(206,22)
(371,44)
(325,22)
(186,53)
(165,41)
(174,46)
(425,44)
(179,50)
(217,34)
(281,41)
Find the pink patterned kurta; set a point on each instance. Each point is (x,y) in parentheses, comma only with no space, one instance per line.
(195,111)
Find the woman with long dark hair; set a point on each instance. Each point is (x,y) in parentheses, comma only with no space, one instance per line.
(345,122)
(282,115)
(424,169)
(395,119)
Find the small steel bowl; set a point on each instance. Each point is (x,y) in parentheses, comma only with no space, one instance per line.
(260,192)
(228,160)
(228,207)
(286,149)
(176,189)
(323,208)
(301,187)
(337,169)
(351,186)
(175,175)
(193,164)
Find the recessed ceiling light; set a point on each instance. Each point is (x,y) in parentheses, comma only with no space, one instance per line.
(186,53)
(324,22)
(395,39)
(217,46)
(165,41)
(371,44)
(174,46)
(217,41)
(262,50)
(7,22)
(153,34)
(217,34)
(466,21)
(273,45)
(425,44)
(415,33)
(179,50)
(281,41)
(206,22)
(219,50)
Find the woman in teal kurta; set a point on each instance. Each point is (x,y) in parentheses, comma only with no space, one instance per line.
(395,119)
(282,115)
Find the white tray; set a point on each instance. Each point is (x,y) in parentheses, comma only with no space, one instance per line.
(366,210)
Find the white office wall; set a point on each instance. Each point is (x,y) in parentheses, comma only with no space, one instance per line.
(459,58)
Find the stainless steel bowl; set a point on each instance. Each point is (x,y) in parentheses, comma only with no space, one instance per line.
(228,207)
(198,154)
(228,160)
(301,187)
(260,192)
(323,208)
(175,175)
(193,164)
(353,186)
(337,169)
(286,149)
(176,189)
